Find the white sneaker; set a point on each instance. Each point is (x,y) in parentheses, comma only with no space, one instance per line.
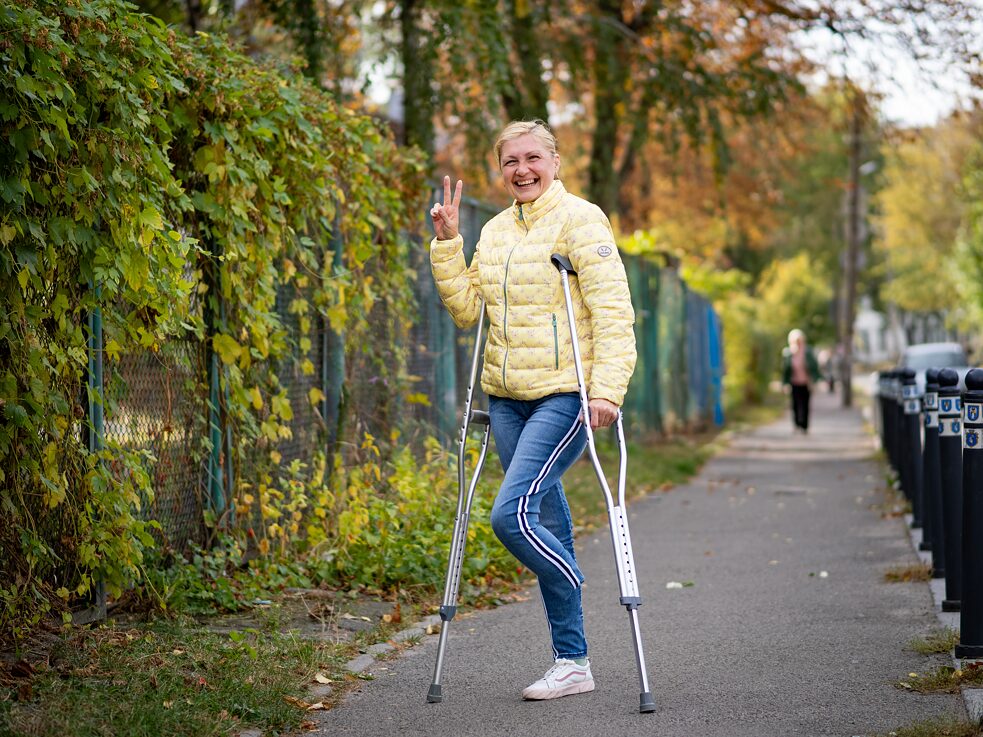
(563,679)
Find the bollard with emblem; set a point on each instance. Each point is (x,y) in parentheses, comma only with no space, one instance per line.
(971,611)
(931,486)
(951,478)
(911,445)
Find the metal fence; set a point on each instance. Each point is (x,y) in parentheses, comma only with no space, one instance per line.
(169,403)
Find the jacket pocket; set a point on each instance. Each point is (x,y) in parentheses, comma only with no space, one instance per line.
(556,344)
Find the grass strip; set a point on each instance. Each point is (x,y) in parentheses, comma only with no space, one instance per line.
(918,572)
(944,679)
(168,678)
(940,641)
(937,728)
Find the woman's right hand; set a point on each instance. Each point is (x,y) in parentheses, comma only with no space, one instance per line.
(445,216)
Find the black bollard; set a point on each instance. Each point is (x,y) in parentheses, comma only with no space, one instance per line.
(931,485)
(882,390)
(911,444)
(951,478)
(885,399)
(899,464)
(971,612)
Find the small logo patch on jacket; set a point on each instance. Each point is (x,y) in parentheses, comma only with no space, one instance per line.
(604,250)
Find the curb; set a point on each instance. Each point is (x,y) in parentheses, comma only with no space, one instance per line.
(363,662)
(973,697)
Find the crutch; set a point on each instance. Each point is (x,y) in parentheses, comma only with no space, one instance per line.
(617,513)
(448,607)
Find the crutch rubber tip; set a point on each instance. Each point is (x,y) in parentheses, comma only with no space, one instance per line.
(646,703)
(435,697)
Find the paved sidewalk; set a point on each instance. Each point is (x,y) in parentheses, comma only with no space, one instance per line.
(788,628)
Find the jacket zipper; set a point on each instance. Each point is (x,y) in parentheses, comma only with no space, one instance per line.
(505,294)
(556,344)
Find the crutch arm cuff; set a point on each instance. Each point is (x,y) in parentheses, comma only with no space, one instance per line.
(562,263)
(479,417)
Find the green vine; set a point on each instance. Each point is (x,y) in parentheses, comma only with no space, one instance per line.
(159,178)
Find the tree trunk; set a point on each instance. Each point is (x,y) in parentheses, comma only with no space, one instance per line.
(194,15)
(852,249)
(602,184)
(530,100)
(418,99)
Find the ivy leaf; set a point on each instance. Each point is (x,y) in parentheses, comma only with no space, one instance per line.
(150,218)
(337,317)
(281,407)
(226,347)
(316,396)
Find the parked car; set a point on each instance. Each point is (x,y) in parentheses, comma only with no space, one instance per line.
(923,356)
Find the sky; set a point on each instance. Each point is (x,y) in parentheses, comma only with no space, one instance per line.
(913,93)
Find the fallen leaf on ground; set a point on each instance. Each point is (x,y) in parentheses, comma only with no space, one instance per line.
(321,678)
(293,701)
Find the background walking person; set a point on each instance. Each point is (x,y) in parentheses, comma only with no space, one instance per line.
(799,370)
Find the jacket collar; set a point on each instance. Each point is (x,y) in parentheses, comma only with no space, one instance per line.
(528,213)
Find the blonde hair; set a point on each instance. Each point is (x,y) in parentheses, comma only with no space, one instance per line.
(794,335)
(518,128)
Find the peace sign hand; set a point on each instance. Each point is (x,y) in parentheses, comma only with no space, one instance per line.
(445,216)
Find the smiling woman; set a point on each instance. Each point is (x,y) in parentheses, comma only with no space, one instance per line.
(529,373)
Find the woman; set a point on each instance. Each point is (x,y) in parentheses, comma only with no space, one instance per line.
(528,372)
(799,370)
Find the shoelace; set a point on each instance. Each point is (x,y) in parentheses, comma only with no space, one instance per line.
(555,667)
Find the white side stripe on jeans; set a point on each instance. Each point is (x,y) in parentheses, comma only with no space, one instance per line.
(522,513)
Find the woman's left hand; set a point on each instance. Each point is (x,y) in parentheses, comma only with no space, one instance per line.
(602,413)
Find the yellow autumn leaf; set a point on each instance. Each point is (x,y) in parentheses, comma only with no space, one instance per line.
(112,349)
(226,347)
(256,397)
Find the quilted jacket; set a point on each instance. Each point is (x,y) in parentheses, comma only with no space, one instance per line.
(529,353)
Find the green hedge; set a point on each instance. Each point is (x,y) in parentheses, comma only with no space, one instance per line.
(144,173)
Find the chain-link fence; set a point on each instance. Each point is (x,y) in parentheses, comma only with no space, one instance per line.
(157,402)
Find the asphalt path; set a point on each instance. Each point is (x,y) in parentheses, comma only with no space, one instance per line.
(784,625)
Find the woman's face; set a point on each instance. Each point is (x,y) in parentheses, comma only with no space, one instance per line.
(528,167)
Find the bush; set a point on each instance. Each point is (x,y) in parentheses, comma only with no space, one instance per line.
(173,186)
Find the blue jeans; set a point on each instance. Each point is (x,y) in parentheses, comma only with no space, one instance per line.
(537,441)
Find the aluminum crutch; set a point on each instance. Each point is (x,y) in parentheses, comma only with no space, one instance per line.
(617,513)
(448,607)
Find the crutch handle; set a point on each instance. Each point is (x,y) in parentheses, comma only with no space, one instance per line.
(562,263)
(479,417)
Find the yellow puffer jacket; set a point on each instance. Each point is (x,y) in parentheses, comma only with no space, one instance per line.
(529,354)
